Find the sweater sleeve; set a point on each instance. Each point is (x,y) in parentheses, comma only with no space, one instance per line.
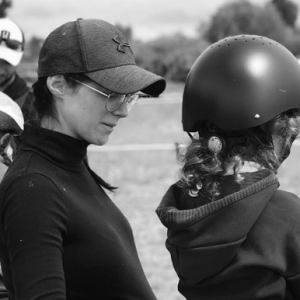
(34,219)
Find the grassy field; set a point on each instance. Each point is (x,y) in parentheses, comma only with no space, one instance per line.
(144,176)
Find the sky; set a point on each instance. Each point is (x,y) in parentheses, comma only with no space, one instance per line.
(148,19)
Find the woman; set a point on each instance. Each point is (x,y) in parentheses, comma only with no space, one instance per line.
(61,235)
(232,234)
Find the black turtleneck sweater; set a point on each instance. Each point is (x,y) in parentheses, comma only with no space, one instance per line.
(61,236)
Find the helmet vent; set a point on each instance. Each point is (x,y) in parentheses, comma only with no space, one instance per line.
(245,38)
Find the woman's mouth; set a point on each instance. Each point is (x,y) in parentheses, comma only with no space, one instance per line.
(108,127)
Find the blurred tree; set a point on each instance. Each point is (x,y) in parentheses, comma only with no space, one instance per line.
(4,5)
(27,69)
(32,49)
(288,11)
(169,56)
(243,17)
(292,41)
(127,31)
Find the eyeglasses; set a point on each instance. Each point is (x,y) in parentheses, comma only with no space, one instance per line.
(114,100)
(12,44)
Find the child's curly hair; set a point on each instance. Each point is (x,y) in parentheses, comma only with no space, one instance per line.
(205,167)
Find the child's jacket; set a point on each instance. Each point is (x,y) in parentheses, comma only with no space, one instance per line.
(243,246)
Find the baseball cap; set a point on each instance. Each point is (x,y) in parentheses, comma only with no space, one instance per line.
(11,117)
(11,42)
(99,50)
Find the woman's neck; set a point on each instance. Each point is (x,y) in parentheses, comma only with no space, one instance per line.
(49,123)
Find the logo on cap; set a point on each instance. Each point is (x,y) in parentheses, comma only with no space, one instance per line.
(5,35)
(122,43)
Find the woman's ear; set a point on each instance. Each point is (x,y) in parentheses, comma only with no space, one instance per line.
(56,85)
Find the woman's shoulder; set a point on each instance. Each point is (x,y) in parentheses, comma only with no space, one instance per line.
(32,192)
(28,164)
(26,185)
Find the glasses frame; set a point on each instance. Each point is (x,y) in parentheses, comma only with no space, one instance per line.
(125,99)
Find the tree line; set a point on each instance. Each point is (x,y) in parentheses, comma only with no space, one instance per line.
(172,56)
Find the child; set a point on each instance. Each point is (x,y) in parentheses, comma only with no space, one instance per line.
(232,234)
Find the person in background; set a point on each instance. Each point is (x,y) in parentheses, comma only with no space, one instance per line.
(11,125)
(232,233)
(11,52)
(61,236)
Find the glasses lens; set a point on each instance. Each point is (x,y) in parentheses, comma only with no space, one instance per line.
(131,100)
(116,100)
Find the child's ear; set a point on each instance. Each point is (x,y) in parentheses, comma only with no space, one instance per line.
(56,84)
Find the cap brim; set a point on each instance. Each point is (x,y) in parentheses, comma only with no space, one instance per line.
(11,56)
(129,79)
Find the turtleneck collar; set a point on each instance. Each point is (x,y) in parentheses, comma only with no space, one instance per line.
(60,149)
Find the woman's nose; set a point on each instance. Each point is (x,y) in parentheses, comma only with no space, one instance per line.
(122,111)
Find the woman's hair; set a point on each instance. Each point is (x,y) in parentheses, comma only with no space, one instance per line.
(204,166)
(45,107)
(41,105)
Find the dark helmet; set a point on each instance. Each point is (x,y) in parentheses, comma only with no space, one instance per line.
(240,82)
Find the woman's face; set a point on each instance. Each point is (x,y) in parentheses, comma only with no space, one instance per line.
(82,114)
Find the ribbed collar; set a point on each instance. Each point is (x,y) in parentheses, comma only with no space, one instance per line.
(62,150)
(252,199)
